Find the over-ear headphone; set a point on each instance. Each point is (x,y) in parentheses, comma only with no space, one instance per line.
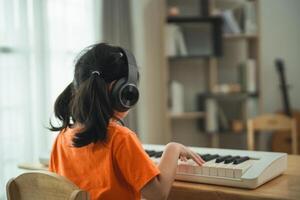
(124,92)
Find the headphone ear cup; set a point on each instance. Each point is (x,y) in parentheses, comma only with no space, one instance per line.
(124,95)
(115,95)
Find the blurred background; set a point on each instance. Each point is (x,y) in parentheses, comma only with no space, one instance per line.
(207,66)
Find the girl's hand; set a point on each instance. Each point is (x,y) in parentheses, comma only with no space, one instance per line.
(186,153)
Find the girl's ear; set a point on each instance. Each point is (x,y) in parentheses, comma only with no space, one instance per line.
(111,85)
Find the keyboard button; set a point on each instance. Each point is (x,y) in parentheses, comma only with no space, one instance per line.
(158,154)
(185,167)
(240,169)
(221,170)
(205,156)
(211,157)
(206,167)
(213,169)
(240,160)
(231,159)
(150,153)
(229,170)
(222,158)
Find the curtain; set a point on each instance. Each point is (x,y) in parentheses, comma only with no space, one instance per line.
(38,41)
(16,131)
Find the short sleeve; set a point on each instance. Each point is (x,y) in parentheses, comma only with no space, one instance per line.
(134,163)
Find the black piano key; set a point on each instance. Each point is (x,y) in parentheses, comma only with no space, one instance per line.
(211,157)
(240,160)
(150,153)
(205,156)
(222,158)
(158,154)
(230,160)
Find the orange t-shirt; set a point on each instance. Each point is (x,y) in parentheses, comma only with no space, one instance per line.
(116,169)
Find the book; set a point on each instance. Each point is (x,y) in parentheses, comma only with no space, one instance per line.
(247,76)
(231,25)
(175,44)
(250,26)
(211,116)
(177,97)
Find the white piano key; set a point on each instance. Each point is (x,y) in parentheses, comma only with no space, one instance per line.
(155,160)
(221,170)
(213,169)
(229,170)
(240,169)
(187,166)
(198,170)
(206,166)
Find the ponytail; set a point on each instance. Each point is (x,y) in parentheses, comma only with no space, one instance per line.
(62,108)
(92,108)
(89,106)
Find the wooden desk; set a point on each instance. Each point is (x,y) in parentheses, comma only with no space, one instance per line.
(286,186)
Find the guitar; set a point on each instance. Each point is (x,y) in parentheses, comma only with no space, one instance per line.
(282,141)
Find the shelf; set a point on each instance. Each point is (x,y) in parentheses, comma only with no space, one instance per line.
(239,36)
(228,132)
(235,96)
(187,115)
(188,57)
(194,19)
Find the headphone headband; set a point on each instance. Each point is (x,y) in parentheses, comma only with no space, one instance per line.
(132,67)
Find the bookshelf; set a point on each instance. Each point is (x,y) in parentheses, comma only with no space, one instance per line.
(201,74)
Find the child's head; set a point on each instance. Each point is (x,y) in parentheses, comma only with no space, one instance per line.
(88,100)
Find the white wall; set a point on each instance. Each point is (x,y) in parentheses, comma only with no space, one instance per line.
(147,17)
(280,37)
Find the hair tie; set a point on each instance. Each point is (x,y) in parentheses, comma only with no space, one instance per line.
(96,72)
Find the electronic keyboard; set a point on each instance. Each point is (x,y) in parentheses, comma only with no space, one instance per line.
(236,168)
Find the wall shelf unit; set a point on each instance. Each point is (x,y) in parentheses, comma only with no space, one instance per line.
(197,75)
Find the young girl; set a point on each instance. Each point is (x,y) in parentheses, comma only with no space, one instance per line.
(93,150)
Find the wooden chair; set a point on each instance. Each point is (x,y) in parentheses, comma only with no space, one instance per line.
(272,122)
(43,185)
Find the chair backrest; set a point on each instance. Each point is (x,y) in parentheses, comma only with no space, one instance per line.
(43,185)
(271,122)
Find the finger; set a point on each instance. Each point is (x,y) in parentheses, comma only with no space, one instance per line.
(197,159)
(181,158)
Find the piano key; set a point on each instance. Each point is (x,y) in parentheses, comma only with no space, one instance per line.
(229,170)
(206,167)
(221,169)
(240,160)
(150,153)
(211,157)
(204,156)
(240,169)
(231,159)
(213,170)
(222,158)
(217,166)
(158,154)
(184,167)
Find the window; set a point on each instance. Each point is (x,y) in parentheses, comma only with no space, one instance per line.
(39,40)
